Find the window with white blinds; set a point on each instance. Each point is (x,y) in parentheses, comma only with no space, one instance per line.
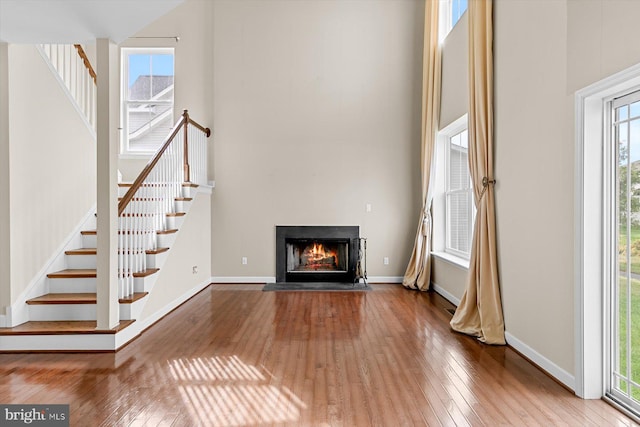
(459,197)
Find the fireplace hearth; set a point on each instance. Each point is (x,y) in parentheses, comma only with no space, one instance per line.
(316,253)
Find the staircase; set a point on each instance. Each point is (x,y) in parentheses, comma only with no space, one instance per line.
(151,212)
(64,319)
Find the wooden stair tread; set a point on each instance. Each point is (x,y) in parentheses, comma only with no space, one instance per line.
(82,251)
(74,327)
(94,251)
(89,273)
(73,273)
(147,272)
(176,214)
(71,298)
(156,251)
(190,184)
(184,199)
(80,298)
(174,230)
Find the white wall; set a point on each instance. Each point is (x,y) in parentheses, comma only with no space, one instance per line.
(316,113)
(192,22)
(191,248)
(53,166)
(5,218)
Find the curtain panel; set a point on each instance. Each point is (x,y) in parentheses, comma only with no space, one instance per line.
(480,310)
(418,273)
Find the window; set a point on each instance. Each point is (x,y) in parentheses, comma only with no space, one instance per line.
(450,13)
(453,207)
(147,99)
(459,197)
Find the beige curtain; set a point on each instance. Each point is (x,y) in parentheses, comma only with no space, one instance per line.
(480,310)
(418,273)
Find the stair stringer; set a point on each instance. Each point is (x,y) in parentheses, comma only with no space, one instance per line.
(18,313)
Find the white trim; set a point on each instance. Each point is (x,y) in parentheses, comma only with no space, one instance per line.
(547,365)
(242,279)
(446,294)
(385,279)
(19,312)
(452,259)
(66,91)
(589,271)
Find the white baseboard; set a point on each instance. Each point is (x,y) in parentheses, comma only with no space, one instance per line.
(446,294)
(3,321)
(547,365)
(385,279)
(242,279)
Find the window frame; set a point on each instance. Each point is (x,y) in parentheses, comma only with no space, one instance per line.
(450,192)
(439,204)
(125,150)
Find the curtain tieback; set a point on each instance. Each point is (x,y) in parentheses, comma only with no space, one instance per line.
(486,182)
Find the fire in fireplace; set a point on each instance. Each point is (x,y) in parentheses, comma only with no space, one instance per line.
(316,253)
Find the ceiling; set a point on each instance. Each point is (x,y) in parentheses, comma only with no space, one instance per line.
(77,21)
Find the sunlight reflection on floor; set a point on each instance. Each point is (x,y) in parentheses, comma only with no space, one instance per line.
(224,391)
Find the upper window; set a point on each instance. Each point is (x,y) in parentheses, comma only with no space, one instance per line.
(147,98)
(450,13)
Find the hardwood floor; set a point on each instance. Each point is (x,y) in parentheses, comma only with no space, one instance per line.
(235,356)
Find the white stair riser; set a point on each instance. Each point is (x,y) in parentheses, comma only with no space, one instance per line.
(174,222)
(183,205)
(64,286)
(157,260)
(51,312)
(89,241)
(132,311)
(86,342)
(81,261)
(166,240)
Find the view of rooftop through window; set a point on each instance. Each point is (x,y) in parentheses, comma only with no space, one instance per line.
(458,7)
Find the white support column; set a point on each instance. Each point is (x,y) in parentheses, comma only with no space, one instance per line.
(5,219)
(107,192)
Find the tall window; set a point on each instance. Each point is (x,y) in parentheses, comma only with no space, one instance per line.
(624,289)
(450,13)
(147,94)
(459,196)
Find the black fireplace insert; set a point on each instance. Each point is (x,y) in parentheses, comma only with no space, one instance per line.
(316,253)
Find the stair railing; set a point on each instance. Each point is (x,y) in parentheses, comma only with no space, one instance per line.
(142,212)
(74,68)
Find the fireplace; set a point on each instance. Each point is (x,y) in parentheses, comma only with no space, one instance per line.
(316,253)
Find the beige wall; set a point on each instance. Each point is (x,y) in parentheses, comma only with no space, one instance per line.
(53,166)
(5,218)
(534,156)
(316,113)
(543,54)
(192,22)
(191,248)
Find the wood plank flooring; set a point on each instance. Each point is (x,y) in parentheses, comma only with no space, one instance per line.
(237,356)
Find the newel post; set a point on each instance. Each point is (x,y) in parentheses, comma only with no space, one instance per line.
(187,175)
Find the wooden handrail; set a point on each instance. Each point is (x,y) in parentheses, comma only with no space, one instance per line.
(184,121)
(87,63)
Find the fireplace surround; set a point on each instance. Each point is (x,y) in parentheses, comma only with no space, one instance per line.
(316,253)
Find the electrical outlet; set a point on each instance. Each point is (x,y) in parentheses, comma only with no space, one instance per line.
(368,207)
(195,269)
(244,260)
(385,260)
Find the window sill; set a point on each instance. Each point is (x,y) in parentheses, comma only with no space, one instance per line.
(452,259)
